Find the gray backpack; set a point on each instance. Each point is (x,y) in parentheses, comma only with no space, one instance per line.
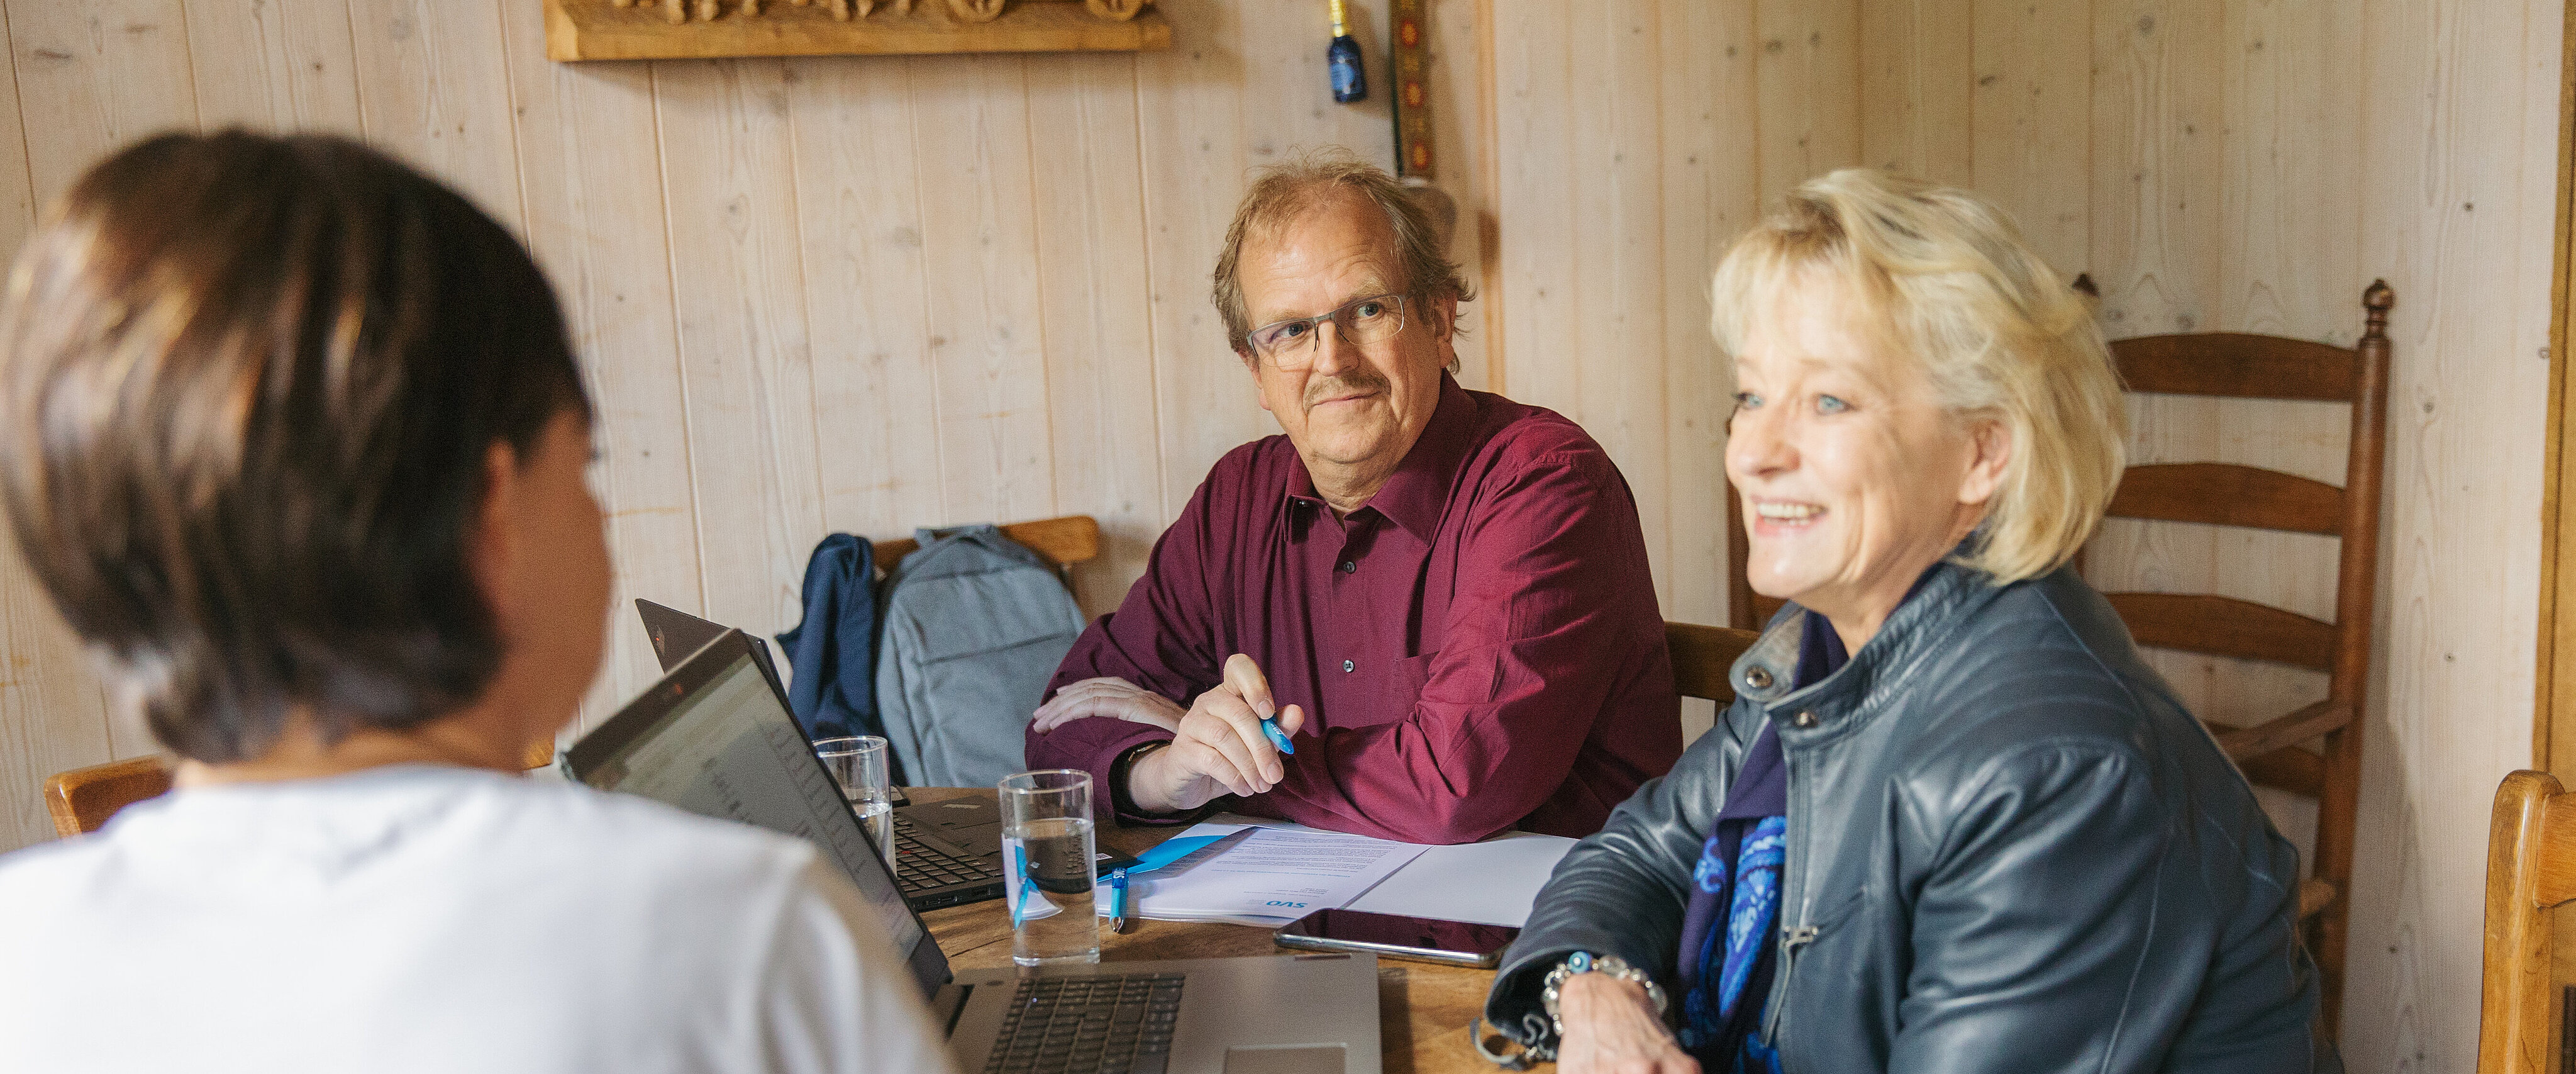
(972,627)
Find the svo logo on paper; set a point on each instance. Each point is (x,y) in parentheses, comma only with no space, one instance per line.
(1290,905)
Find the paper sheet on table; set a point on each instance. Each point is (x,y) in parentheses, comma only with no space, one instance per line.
(1280,874)
(1488,883)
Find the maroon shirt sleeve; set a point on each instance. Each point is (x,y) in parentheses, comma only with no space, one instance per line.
(1542,640)
(1159,638)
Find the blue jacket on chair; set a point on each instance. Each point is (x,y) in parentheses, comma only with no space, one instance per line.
(834,650)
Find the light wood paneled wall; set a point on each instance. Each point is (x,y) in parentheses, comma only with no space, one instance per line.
(2245,165)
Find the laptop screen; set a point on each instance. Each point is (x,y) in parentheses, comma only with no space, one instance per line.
(714,738)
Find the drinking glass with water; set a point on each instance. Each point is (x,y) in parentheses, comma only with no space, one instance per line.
(1046,867)
(858,764)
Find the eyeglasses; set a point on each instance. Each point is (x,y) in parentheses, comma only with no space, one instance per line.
(1290,345)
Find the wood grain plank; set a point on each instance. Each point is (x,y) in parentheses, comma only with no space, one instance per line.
(729,189)
(1609,376)
(2239,365)
(95,76)
(1537,198)
(1808,97)
(1462,146)
(1192,118)
(1711,194)
(979,239)
(2226,494)
(2226,626)
(1091,255)
(436,92)
(2032,139)
(1917,88)
(280,65)
(590,161)
(599,30)
(867,290)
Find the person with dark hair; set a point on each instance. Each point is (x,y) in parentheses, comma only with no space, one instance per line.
(294,439)
(1438,598)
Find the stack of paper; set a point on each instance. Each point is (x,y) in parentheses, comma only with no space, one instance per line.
(1282,873)
(1285,871)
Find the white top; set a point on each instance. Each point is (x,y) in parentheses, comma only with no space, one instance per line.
(423,918)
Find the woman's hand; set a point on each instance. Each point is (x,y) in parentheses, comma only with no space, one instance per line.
(1611,1028)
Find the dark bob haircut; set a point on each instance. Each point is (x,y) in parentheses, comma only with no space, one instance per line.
(247,390)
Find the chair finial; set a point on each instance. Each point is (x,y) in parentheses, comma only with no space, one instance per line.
(2378,299)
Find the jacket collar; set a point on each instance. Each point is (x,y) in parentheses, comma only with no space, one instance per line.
(1417,493)
(1822,710)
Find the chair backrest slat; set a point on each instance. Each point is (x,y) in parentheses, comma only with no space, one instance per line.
(2226,626)
(2226,494)
(82,799)
(1703,657)
(1065,541)
(2239,366)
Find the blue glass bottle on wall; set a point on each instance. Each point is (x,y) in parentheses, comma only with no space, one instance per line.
(1349,82)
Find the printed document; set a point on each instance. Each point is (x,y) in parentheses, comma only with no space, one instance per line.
(1282,873)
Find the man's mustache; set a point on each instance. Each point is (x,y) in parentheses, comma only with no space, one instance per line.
(1364,384)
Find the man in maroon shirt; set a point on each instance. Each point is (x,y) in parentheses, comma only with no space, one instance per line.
(1442,595)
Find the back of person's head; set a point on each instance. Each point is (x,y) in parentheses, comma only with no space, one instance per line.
(248,387)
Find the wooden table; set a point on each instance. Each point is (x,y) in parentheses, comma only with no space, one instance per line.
(1423,1008)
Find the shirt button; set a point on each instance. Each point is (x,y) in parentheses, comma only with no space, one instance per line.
(1349,565)
(1803,720)
(1350,665)
(1758,677)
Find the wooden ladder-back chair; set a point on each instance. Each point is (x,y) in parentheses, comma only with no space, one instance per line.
(1063,541)
(2531,868)
(2237,365)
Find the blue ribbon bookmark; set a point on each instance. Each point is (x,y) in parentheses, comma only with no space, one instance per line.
(1162,854)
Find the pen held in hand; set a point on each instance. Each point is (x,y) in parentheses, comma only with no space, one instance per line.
(1279,738)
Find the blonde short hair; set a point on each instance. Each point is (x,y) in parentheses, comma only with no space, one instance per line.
(1951,284)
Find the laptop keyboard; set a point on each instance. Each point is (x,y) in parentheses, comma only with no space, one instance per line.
(920,867)
(1089,1025)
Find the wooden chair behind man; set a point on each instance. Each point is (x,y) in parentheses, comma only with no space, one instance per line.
(1702,657)
(2531,869)
(1063,541)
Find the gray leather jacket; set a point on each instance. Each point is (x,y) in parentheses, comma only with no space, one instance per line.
(2010,849)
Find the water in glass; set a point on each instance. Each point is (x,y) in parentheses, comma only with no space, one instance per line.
(1047,867)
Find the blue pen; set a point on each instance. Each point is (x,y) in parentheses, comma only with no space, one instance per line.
(1278,737)
(1118,899)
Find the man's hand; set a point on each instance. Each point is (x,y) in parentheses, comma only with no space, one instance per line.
(1218,748)
(1111,697)
(1611,1028)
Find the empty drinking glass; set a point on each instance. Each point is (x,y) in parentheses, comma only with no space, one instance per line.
(1046,867)
(858,764)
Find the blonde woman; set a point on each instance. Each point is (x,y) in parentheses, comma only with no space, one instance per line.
(1951,822)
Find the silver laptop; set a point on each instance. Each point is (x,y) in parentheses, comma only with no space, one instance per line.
(712,737)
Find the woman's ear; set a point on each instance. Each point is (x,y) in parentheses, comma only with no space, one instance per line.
(1990,445)
(493,544)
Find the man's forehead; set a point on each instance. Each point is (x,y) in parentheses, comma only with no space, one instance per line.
(1335,250)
